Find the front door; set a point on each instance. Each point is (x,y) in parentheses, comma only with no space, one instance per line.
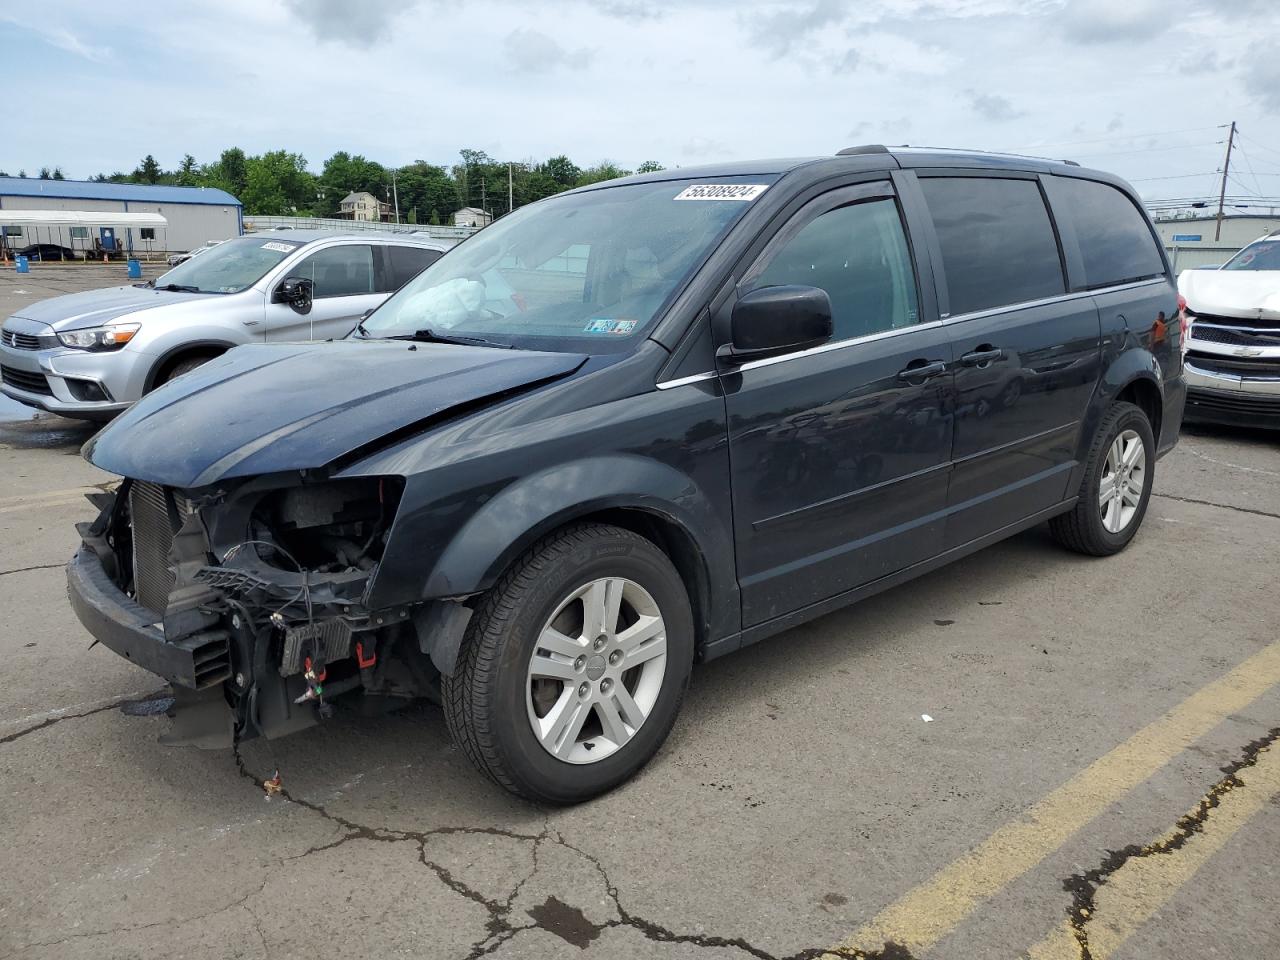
(107,238)
(839,454)
(344,287)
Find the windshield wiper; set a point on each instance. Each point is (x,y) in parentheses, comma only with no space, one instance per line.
(430,336)
(179,288)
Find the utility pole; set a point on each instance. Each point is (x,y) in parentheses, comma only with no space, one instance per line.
(395,194)
(1222,194)
(510,205)
(484,197)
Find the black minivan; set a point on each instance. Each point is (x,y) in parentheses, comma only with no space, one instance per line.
(631,426)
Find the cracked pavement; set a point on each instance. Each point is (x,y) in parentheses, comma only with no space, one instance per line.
(800,795)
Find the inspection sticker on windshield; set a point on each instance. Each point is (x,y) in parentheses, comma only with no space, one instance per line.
(722,191)
(619,328)
(278,247)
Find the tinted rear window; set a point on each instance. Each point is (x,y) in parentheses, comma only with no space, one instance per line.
(998,245)
(408,262)
(1115,241)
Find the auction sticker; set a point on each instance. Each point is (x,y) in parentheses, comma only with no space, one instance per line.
(278,247)
(722,191)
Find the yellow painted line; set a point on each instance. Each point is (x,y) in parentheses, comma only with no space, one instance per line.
(928,913)
(1144,884)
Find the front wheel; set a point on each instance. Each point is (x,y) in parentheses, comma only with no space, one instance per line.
(574,665)
(1119,474)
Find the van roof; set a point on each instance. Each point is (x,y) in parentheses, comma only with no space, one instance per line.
(868,156)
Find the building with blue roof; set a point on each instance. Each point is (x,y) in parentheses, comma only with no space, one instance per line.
(194,215)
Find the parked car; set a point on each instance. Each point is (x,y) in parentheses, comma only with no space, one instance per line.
(634,425)
(47,251)
(176,258)
(90,355)
(1233,344)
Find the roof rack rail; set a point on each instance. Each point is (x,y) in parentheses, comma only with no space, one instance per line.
(864,148)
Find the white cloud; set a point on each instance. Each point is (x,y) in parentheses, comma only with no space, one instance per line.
(679,81)
(532,51)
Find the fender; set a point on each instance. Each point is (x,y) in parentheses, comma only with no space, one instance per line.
(513,519)
(1132,363)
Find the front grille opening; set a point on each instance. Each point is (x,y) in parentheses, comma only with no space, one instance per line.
(20,341)
(24,380)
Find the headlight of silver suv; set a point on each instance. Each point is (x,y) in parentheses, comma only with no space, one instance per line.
(113,336)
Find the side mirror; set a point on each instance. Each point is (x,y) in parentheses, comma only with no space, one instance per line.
(775,320)
(295,291)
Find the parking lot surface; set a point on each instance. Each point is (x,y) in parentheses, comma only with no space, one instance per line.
(1028,753)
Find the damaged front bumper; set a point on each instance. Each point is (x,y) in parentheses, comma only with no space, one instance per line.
(162,580)
(131,630)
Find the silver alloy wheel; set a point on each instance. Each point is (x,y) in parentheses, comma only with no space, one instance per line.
(1124,477)
(597,670)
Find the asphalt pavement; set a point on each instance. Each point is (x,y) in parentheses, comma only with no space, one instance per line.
(1028,753)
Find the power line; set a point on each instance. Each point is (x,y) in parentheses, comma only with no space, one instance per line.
(1260,145)
(1176,176)
(1119,136)
(1122,153)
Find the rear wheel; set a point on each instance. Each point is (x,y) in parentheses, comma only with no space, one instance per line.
(1116,488)
(574,666)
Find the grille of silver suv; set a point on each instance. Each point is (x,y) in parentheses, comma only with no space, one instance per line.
(20,341)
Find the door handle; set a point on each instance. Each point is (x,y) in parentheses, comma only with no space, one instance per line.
(983,355)
(921,370)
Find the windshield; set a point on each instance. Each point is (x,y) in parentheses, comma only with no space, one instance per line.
(586,272)
(1256,256)
(230,267)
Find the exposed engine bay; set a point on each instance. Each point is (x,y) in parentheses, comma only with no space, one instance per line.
(258,589)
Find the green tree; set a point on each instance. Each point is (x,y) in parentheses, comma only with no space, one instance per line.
(426,186)
(344,174)
(650,166)
(604,170)
(22,174)
(188,175)
(413,215)
(45,174)
(435,217)
(562,170)
(278,183)
(148,171)
(57,174)
(229,172)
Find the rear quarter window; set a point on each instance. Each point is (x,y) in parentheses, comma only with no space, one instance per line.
(408,262)
(1116,245)
(998,245)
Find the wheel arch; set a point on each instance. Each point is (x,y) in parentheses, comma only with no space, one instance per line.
(1133,376)
(210,347)
(642,495)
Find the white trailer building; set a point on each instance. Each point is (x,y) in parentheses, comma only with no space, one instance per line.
(192,215)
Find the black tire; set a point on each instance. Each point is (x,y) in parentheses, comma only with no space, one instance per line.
(185,365)
(485,699)
(1082,530)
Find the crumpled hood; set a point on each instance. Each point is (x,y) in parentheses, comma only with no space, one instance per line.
(92,308)
(268,408)
(1248,294)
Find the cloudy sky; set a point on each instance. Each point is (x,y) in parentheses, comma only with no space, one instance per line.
(1141,87)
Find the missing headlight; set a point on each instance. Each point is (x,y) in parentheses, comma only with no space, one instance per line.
(327,527)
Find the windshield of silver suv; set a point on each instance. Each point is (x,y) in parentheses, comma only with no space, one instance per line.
(229,267)
(585,271)
(1256,256)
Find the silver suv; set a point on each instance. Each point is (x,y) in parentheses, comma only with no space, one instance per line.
(89,355)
